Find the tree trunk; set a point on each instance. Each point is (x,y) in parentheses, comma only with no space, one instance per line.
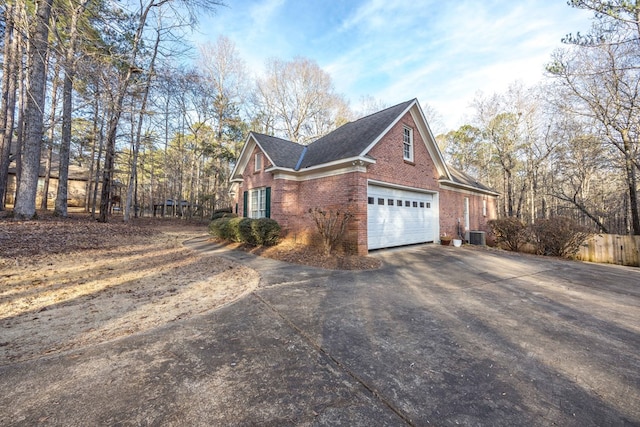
(22,83)
(49,145)
(67,104)
(633,194)
(110,149)
(25,207)
(7,105)
(136,148)
(65,145)
(94,162)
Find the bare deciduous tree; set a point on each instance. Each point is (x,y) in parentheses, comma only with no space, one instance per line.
(297,100)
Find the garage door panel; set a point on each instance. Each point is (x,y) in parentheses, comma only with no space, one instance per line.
(394,223)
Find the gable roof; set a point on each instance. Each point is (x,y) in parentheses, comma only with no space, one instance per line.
(281,152)
(461,178)
(353,138)
(352,141)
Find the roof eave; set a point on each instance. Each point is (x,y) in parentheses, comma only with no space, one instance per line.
(468,187)
(339,162)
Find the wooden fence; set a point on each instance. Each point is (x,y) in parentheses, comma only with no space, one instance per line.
(611,249)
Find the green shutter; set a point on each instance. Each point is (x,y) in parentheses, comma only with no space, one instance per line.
(245,206)
(267,202)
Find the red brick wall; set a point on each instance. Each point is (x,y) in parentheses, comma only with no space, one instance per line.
(390,165)
(452,208)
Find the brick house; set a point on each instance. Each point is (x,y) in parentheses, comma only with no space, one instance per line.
(385,168)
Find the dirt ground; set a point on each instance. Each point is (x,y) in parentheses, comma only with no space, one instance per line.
(69,283)
(74,282)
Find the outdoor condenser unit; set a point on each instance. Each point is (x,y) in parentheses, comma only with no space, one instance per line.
(477,238)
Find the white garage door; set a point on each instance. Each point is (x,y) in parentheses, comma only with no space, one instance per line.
(399,217)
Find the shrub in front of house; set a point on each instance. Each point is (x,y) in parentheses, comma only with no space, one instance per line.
(223,213)
(511,233)
(226,228)
(245,231)
(267,231)
(331,225)
(256,232)
(558,236)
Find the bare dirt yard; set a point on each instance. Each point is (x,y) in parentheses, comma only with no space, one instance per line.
(69,283)
(73,282)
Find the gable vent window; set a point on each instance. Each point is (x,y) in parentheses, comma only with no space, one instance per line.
(407,143)
(258,161)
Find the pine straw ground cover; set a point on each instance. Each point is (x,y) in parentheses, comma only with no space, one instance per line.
(73,282)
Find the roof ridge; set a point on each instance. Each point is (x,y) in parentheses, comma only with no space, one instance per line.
(383,110)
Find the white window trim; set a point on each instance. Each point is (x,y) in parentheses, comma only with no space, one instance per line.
(257,203)
(409,145)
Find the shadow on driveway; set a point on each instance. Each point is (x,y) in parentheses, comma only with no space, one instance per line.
(440,336)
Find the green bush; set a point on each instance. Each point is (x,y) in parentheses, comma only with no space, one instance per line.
(510,232)
(558,236)
(267,231)
(215,228)
(256,232)
(223,213)
(233,232)
(245,229)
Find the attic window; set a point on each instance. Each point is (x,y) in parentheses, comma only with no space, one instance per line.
(258,161)
(407,143)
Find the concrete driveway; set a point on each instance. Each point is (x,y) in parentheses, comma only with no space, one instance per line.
(438,336)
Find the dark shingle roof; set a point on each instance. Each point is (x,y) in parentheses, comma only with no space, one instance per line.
(460,177)
(283,153)
(351,139)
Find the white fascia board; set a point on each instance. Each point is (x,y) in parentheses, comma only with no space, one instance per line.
(353,164)
(358,159)
(233,188)
(400,186)
(242,158)
(430,140)
(466,188)
(383,133)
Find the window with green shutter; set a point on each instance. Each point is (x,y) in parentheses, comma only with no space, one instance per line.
(267,208)
(245,205)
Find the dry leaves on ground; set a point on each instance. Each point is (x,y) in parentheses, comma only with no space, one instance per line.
(70,283)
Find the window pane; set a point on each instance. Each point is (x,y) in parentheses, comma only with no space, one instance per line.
(381,201)
(415,204)
(370,200)
(407,203)
(390,202)
(399,202)
(428,205)
(422,204)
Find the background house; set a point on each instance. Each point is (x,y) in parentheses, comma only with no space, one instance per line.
(385,168)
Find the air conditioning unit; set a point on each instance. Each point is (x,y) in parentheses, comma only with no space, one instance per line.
(477,238)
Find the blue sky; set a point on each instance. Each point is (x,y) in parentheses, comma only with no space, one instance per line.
(441,52)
